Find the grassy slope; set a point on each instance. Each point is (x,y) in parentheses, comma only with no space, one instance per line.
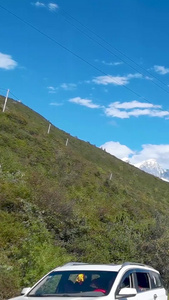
(57,203)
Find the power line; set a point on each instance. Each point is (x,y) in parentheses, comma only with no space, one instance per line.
(14,96)
(52,39)
(3,89)
(10,93)
(102,39)
(70,51)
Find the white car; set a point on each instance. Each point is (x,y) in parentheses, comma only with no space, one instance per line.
(80,281)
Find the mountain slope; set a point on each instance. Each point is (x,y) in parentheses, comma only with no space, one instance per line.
(74,202)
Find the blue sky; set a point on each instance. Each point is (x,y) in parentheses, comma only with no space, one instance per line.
(97,69)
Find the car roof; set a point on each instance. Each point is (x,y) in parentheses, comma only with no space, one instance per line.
(88,267)
(73,266)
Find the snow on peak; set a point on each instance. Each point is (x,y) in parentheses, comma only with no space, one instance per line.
(151,166)
(126,159)
(149,162)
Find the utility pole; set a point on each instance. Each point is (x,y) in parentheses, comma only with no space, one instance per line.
(67,142)
(49,128)
(5,100)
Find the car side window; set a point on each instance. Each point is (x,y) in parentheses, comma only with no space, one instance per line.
(143,281)
(126,282)
(156,279)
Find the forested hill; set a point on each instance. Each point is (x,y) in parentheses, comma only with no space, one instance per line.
(63,199)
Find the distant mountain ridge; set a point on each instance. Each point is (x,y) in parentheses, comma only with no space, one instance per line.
(152,167)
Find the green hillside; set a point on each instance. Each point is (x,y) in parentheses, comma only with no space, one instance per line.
(58,203)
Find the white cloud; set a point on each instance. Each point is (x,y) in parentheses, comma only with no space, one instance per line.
(68,86)
(134,104)
(148,78)
(117,63)
(52,89)
(6,62)
(136,75)
(38,4)
(56,104)
(64,86)
(53,6)
(161,70)
(148,151)
(111,111)
(116,80)
(50,6)
(84,102)
(134,108)
(149,112)
(116,149)
(125,110)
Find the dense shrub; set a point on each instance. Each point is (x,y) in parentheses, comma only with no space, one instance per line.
(58,203)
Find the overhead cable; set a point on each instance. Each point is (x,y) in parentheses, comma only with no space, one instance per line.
(70,51)
(114,48)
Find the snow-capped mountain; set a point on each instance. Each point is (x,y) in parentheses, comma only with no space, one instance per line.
(151,166)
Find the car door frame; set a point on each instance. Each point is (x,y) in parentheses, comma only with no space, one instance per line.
(127,273)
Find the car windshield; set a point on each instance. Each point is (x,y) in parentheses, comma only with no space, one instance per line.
(74,284)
